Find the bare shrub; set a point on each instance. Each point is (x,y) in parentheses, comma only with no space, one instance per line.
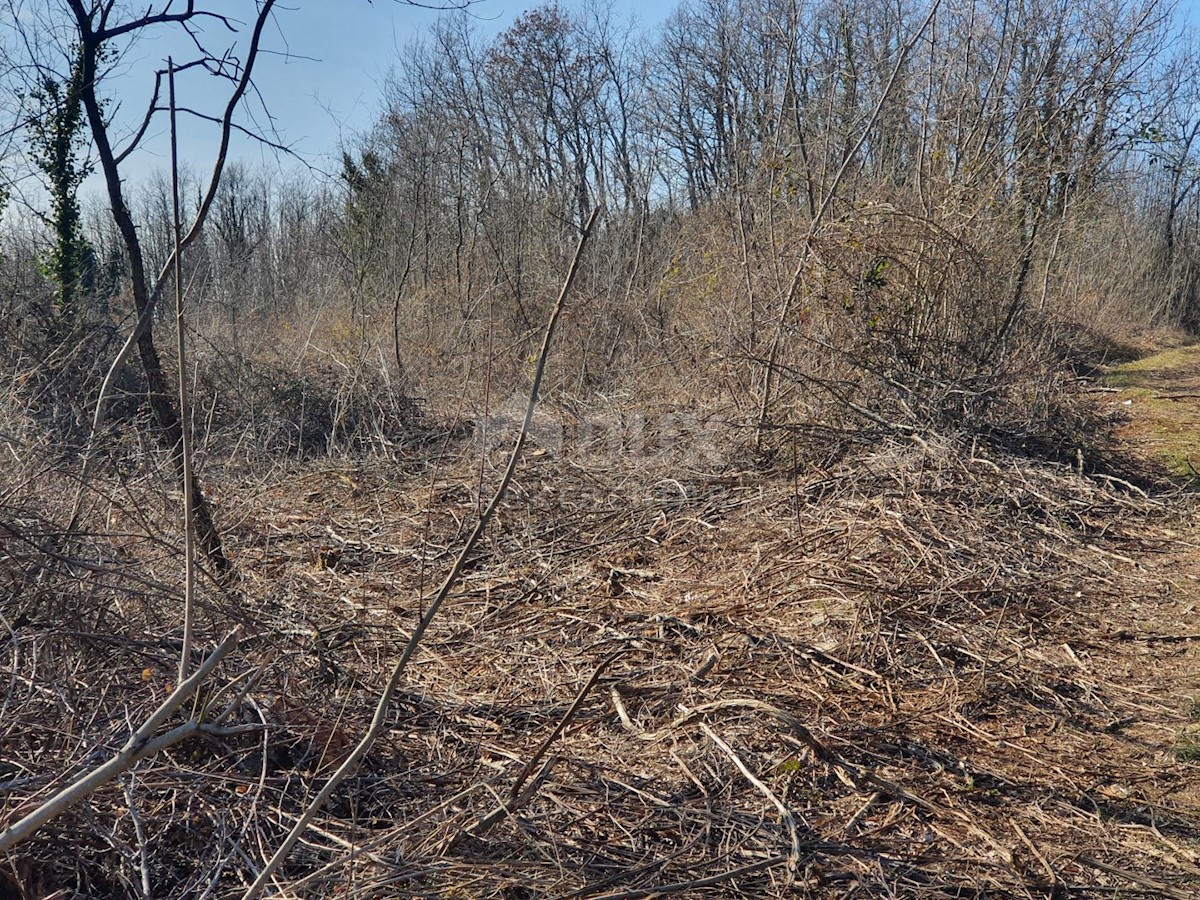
(320,403)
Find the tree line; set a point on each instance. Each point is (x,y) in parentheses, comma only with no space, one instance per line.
(796,196)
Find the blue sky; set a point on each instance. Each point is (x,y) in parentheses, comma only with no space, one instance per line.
(324,89)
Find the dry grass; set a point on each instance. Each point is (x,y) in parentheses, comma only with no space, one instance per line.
(952,671)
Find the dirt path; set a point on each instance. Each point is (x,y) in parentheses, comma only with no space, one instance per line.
(1151,650)
(1161,396)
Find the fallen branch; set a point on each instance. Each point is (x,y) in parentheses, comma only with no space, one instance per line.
(793,859)
(1149,884)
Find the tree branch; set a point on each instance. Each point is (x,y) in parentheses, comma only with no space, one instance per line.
(141,132)
(164,18)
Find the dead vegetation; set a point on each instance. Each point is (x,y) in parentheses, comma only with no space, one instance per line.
(822,576)
(928,671)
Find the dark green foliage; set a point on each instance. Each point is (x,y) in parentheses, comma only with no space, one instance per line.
(364,234)
(369,184)
(57,144)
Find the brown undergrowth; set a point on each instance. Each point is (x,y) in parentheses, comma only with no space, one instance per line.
(928,671)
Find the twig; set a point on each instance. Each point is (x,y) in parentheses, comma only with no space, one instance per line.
(518,798)
(564,721)
(140,831)
(858,776)
(1128,485)
(793,859)
(1149,883)
(1037,854)
(991,646)
(185,413)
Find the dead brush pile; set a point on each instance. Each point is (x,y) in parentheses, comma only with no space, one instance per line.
(920,673)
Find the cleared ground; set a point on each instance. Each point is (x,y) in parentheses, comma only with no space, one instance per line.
(936,670)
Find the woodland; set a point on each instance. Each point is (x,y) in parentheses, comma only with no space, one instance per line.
(703,460)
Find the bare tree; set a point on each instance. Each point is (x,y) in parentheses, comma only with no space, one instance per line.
(89,36)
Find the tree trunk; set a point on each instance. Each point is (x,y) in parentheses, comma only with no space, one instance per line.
(170,432)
